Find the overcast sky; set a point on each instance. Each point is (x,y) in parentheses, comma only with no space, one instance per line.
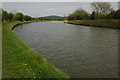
(37,9)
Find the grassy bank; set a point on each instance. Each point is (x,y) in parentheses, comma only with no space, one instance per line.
(0,50)
(97,23)
(19,61)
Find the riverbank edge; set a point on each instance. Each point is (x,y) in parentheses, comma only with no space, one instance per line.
(97,23)
(46,69)
(26,22)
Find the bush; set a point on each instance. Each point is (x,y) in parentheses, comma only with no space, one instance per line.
(19,17)
(27,18)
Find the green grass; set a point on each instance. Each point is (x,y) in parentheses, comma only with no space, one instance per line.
(97,23)
(19,61)
(0,49)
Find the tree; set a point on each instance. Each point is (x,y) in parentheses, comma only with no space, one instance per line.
(111,15)
(114,15)
(10,16)
(79,14)
(101,7)
(27,18)
(19,17)
(4,15)
(0,17)
(71,17)
(117,14)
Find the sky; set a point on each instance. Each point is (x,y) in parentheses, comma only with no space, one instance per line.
(39,9)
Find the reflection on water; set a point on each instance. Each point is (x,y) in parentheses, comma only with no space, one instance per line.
(79,51)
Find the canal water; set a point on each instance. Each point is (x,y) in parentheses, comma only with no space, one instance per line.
(80,51)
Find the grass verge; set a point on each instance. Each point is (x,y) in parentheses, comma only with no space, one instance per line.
(98,23)
(19,61)
(0,50)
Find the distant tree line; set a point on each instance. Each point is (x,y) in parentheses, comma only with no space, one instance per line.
(17,17)
(6,16)
(101,10)
(53,18)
